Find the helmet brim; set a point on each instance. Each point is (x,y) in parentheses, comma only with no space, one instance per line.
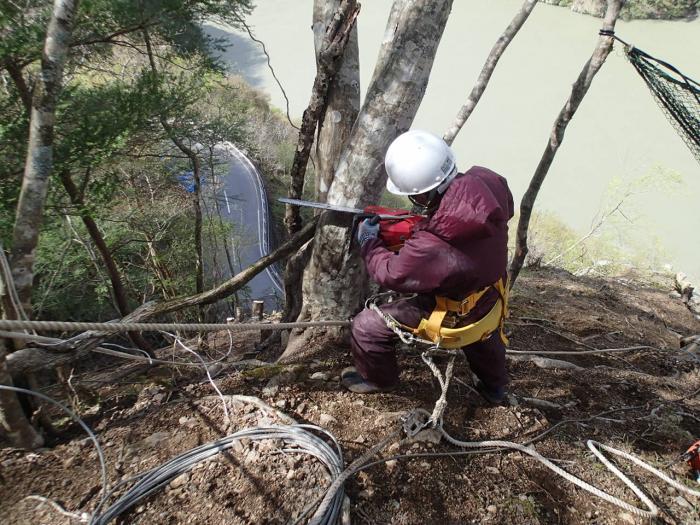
(393,188)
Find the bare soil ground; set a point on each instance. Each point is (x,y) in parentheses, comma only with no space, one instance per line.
(645,402)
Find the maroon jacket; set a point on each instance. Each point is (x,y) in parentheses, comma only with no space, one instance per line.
(459,249)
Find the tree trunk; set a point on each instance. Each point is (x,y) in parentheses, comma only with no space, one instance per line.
(486,72)
(578,91)
(335,281)
(342,102)
(196,175)
(39,161)
(115,278)
(341,106)
(335,37)
(113,272)
(14,423)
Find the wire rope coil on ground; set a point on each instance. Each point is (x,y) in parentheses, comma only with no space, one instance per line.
(299,439)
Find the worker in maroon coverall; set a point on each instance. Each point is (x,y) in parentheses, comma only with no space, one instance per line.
(460,247)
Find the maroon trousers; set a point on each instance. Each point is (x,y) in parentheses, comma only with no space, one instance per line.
(372,344)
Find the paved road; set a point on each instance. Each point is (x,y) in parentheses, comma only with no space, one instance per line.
(243,202)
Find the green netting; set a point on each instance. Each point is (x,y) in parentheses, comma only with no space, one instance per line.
(677,95)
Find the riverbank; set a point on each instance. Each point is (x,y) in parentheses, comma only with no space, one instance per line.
(636,9)
(640,401)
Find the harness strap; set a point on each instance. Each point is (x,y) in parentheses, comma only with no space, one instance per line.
(479,330)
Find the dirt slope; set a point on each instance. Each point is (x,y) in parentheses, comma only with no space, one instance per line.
(650,399)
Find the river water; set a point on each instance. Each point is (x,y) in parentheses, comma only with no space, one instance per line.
(619,137)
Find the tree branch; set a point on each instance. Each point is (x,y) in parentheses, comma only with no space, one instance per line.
(499,47)
(578,92)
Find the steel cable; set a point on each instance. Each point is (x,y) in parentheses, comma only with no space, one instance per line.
(299,439)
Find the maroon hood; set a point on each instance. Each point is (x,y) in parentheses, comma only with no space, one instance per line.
(461,248)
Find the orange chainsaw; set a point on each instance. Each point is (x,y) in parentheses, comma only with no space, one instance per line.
(395,225)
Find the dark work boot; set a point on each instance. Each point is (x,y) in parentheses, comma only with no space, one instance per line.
(351,379)
(495,396)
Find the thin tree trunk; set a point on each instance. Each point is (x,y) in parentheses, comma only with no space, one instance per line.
(39,160)
(25,94)
(342,104)
(335,281)
(196,175)
(115,277)
(499,47)
(14,423)
(578,91)
(328,59)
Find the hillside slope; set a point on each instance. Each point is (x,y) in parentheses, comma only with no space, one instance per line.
(645,402)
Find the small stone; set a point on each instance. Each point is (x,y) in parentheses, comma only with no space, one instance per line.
(589,514)
(140,509)
(282,403)
(179,481)
(156,439)
(291,474)
(326,419)
(69,462)
(493,470)
(394,504)
(301,407)
(320,376)
(391,465)
(492,509)
(183,420)
(249,409)
(360,439)
(425,465)
(394,448)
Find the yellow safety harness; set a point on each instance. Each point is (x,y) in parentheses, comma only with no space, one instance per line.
(434,328)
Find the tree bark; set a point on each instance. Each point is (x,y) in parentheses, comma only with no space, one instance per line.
(342,102)
(578,91)
(14,423)
(341,106)
(499,47)
(329,57)
(335,281)
(39,160)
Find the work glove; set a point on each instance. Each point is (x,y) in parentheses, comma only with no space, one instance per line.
(368,229)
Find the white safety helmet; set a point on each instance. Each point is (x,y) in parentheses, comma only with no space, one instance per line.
(417,162)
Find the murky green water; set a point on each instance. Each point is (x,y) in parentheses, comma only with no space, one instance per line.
(618,132)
